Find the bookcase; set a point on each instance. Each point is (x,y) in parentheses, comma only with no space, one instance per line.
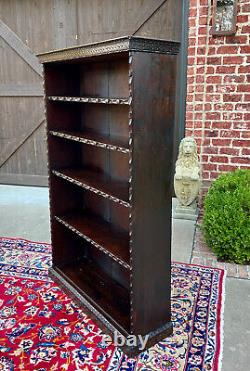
(110,116)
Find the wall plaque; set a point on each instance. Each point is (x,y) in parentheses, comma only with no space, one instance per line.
(224,17)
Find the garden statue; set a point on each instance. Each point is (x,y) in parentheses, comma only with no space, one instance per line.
(187,180)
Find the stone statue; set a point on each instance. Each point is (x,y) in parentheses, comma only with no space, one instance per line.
(187,179)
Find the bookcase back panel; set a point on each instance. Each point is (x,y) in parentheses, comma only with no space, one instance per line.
(113,164)
(111,120)
(71,197)
(105,79)
(63,153)
(62,79)
(117,215)
(63,116)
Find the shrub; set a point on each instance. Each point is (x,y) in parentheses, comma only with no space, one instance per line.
(226,222)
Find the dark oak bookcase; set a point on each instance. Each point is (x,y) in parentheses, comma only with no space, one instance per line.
(110,117)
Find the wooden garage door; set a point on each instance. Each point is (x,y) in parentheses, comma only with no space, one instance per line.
(29,27)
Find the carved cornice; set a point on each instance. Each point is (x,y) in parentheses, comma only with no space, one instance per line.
(130,43)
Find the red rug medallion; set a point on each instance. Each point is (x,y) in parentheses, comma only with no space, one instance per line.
(42,329)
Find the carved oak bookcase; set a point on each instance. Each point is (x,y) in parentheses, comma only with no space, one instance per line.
(110,116)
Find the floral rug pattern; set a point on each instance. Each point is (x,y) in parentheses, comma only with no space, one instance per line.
(42,329)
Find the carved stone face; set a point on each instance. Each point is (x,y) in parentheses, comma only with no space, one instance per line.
(188,147)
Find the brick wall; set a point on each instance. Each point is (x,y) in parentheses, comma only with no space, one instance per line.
(218,90)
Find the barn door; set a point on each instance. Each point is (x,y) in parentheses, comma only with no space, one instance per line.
(28,27)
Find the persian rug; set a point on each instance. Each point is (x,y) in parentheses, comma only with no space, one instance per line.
(42,329)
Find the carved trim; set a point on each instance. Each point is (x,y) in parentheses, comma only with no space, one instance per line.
(90,100)
(90,142)
(91,189)
(128,43)
(95,244)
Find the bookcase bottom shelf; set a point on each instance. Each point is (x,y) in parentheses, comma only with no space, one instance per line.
(98,288)
(92,308)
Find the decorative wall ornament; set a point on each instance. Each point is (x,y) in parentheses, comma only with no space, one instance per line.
(224,17)
(187,180)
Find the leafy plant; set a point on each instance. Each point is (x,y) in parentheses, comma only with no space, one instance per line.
(226,221)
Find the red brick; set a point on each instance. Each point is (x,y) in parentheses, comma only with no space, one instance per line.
(225,49)
(214,60)
(226,167)
(245,88)
(221,142)
(214,79)
(232,115)
(247,98)
(219,159)
(210,88)
(223,107)
(245,30)
(245,8)
(243,69)
(210,167)
(242,18)
(211,150)
(229,134)
(201,51)
(202,22)
(234,78)
(225,88)
(247,116)
(246,151)
(232,97)
(213,116)
(245,49)
(242,107)
(240,160)
(221,125)
(202,30)
(233,60)
(236,39)
(192,12)
(213,98)
(201,60)
(241,143)
(199,88)
(191,51)
(202,40)
(200,78)
(225,69)
(245,134)
(229,151)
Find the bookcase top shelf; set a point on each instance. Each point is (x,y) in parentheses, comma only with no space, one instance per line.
(118,45)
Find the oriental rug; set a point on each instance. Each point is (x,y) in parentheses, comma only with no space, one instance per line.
(42,329)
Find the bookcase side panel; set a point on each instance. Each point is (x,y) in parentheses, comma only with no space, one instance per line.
(153,94)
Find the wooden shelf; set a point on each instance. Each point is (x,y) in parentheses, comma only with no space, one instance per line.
(98,183)
(99,233)
(89,100)
(99,288)
(93,139)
